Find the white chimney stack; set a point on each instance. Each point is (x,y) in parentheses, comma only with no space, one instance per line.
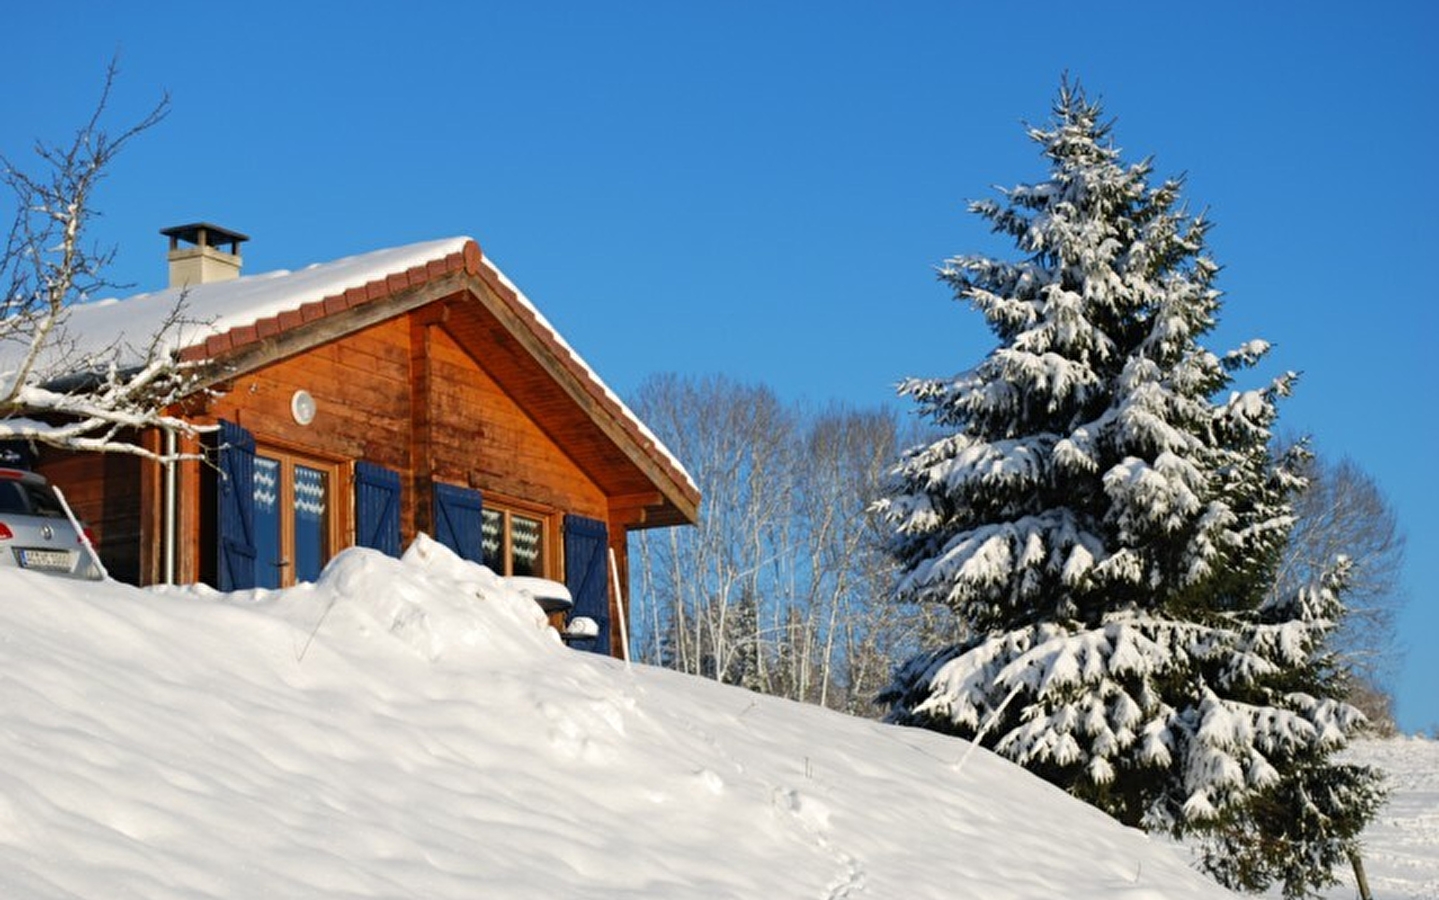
(203,261)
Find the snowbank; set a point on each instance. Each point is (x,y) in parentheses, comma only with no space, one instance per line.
(413,729)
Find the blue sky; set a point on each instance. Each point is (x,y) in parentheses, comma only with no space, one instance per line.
(765,189)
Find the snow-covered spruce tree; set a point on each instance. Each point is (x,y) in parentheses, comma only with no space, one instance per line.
(1104,517)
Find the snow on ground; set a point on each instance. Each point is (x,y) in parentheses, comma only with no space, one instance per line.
(1401,846)
(413,729)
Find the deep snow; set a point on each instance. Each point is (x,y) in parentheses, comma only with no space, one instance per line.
(414,729)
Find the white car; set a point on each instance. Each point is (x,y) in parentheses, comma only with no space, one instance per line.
(35,533)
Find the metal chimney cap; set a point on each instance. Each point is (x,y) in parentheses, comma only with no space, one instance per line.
(204,234)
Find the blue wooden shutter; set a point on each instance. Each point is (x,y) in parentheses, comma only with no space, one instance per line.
(377,508)
(235,509)
(458,520)
(586,568)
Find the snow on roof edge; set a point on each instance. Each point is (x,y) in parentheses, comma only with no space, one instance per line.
(128,324)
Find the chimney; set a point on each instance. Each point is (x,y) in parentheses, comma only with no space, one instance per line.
(203,261)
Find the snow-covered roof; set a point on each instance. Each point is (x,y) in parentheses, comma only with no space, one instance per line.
(224,306)
(221,316)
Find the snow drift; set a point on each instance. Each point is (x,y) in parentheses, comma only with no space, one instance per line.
(412,728)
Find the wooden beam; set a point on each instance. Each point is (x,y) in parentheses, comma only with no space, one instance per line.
(152,511)
(256,354)
(434,314)
(640,511)
(189,528)
(422,458)
(633,501)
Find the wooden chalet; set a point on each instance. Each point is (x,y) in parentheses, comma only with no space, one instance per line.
(362,402)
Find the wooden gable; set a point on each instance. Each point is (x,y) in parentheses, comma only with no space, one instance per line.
(486,319)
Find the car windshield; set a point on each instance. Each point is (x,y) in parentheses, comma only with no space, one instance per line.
(27,499)
(12,498)
(43,502)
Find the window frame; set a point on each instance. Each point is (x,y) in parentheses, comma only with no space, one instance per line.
(338,475)
(508,508)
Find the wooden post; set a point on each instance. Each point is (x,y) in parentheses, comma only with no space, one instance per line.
(1360,879)
(421,438)
(620,609)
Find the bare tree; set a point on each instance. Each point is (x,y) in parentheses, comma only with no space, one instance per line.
(785,586)
(856,632)
(696,580)
(1343,512)
(52,391)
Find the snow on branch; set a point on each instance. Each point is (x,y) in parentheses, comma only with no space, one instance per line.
(49,392)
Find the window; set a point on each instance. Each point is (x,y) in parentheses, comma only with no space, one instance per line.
(12,498)
(294,517)
(26,499)
(514,542)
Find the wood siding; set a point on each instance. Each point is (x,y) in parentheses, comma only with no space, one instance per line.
(361,386)
(482,438)
(405,395)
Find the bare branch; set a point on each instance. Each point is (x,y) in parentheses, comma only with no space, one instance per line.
(1343,512)
(50,393)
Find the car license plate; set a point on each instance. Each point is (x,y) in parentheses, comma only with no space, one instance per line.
(46,559)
